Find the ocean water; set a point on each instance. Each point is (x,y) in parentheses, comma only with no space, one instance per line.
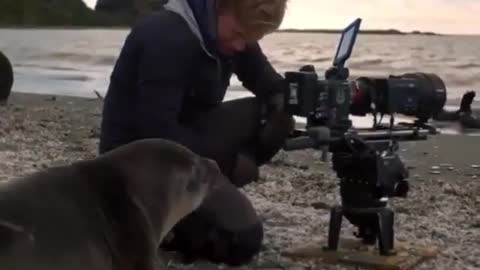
(76,62)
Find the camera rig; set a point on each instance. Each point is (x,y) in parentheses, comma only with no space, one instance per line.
(364,159)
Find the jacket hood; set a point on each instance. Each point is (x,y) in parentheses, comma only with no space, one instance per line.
(200,16)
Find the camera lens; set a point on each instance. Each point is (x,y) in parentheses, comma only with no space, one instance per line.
(419,95)
(432,94)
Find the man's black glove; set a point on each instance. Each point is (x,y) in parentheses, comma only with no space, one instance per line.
(277,125)
(274,100)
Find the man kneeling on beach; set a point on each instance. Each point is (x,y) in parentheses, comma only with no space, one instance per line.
(170,81)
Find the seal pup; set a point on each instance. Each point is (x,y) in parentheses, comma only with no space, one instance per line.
(464,115)
(110,212)
(465,108)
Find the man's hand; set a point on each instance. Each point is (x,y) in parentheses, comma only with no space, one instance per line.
(277,127)
(275,104)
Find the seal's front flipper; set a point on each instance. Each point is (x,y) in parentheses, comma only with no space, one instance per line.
(16,247)
(467,100)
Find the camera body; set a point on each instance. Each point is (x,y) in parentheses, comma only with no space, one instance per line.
(322,102)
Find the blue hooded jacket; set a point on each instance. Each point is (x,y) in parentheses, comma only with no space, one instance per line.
(169,70)
(204,12)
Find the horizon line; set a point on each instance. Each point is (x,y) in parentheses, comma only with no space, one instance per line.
(376,30)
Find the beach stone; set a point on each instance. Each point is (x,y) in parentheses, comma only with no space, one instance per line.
(453,190)
(6,78)
(476,224)
(321,205)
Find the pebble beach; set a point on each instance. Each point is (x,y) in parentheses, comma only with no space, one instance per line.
(295,191)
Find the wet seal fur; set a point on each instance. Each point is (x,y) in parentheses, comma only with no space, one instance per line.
(111,212)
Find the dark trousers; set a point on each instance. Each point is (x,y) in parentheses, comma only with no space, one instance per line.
(226,228)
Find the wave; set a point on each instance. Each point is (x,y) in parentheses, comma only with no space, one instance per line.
(106,60)
(78,58)
(367,62)
(468,81)
(47,67)
(68,56)
(468,65)
(71,77)
(288,52)
(417,48)
(315,59)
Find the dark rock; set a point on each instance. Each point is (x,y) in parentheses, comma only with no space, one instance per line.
(6,78)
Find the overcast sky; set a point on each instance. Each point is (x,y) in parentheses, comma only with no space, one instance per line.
(442,16)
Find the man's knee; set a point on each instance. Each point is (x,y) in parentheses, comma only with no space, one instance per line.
(235,248)
(196,239)
(245,170)
(247,245)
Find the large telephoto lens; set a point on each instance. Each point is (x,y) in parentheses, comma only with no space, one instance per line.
(419,95)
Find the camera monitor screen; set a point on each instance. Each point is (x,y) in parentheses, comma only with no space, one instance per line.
(344,50)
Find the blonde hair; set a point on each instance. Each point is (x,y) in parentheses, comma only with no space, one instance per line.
(258,17)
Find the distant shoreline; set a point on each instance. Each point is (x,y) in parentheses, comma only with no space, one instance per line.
(68,27)
(312,31)
(307,31)
(372,32)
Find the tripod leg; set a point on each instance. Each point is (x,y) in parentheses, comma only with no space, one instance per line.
(386,234)
(336,215)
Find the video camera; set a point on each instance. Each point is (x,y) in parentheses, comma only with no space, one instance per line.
(364,159)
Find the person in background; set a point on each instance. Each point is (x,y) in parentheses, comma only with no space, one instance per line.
(169,82)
